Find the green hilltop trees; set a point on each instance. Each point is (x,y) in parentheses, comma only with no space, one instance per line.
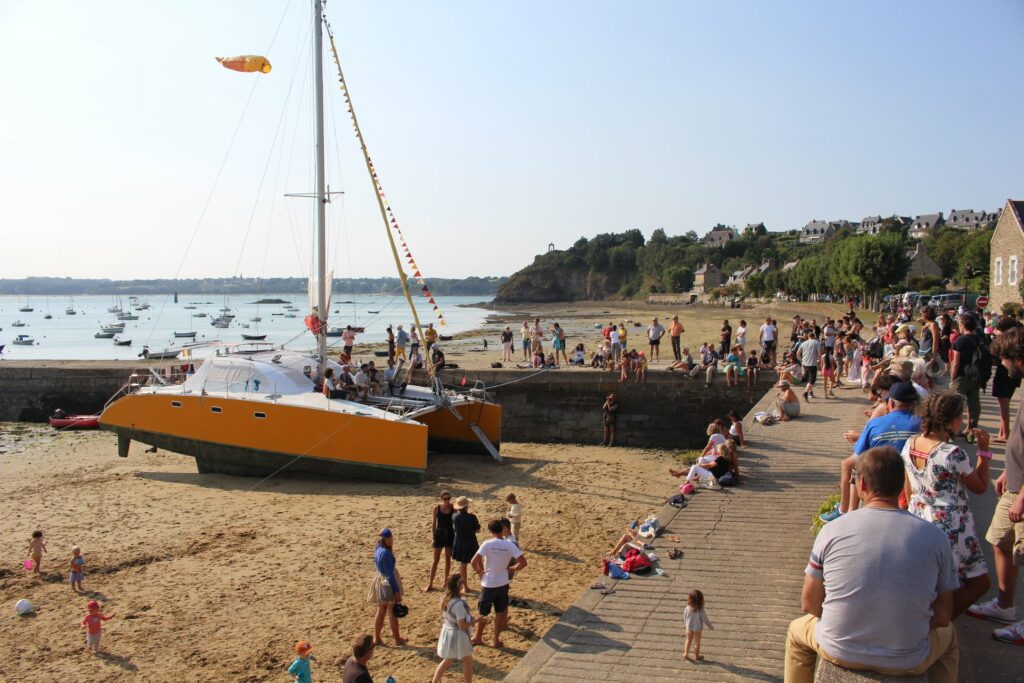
(625,265)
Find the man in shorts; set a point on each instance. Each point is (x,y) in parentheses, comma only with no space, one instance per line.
(655,331)
(1006,532)
(767,338)
(808,353)
(492,563)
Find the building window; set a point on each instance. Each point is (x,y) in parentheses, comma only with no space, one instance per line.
(997,277)
(1011,271)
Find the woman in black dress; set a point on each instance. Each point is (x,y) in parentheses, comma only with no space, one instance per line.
(443,534)
(466,526)
(1003,385)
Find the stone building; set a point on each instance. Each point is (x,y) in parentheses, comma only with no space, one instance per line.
(921,263)
(720,236)
(923,223)
(707,278)
(1007,250)
(969,219)
(818,231)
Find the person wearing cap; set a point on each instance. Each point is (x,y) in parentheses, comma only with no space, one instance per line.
(355,670)
(301,670)
(93,624)
(787,405)
(466,526)
(899,423)
(387,587)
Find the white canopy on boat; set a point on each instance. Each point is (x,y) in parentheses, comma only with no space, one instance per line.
(269,372)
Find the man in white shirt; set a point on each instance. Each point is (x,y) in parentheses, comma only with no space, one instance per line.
(362,381)
(655,331)
(491,563)
(616,344)
(767,338)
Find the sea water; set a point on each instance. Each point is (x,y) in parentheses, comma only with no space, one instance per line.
(71,336)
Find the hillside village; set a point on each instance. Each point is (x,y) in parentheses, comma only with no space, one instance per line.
(840,257)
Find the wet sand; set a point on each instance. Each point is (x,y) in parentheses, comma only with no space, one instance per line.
(213,579)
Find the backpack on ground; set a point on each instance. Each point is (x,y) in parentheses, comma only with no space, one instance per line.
(637,563)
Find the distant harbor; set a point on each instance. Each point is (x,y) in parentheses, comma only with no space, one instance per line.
(158,322)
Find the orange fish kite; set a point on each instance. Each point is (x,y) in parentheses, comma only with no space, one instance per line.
(246,63)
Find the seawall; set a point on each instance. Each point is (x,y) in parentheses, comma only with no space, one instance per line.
(558,406)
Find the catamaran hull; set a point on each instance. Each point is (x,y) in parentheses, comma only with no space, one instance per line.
(449,434)
(256,439)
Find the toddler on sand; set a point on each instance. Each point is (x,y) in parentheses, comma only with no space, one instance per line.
(301,670)
(93,623)
(515,515)
(36,548)
(76,567)
(695,620)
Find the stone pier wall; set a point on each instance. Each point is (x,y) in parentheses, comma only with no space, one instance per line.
(559,406)
(564,406)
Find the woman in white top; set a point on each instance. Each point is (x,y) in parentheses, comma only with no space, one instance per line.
(454,643)
(741,334)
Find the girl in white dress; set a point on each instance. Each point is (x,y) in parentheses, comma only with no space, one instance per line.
(454,643)
(695,619)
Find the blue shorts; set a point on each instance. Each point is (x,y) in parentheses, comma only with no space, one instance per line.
(526,345)
(76,577)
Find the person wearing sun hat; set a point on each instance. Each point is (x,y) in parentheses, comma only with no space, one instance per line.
(466,526)
(787,405)
(93,623)
(301,670)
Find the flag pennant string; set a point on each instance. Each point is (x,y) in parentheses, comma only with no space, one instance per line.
(375,178)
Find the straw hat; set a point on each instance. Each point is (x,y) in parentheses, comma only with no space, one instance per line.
(461,503)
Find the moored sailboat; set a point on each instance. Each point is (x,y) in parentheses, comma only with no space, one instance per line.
(258,413)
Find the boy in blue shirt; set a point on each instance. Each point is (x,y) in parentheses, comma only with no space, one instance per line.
(300,669)
(892,429)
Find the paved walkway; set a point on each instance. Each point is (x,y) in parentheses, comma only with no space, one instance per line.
(746,549)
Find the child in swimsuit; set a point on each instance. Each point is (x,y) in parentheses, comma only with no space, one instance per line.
(77,568)
(36,548)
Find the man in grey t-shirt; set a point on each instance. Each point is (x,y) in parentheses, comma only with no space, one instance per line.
(878,589)
(807,353)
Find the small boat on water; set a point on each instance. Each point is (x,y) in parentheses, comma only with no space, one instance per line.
(168,353)
(185,335)
(189,308)
(127,316)
(374,312)
(17,323)
(277,314)
(113,327)
(222,323)
(122,342)
(47,317)
(104,335)
(26,309)
(23,340)
(444,337)
(199,315)
(290,315)
(70,311)
(254,337)
(61,421)
(257,319)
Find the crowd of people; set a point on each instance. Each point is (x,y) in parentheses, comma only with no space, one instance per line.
(903,500)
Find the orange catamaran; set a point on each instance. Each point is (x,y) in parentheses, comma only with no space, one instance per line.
(259,412)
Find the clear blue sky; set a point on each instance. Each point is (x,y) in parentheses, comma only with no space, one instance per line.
(497,127)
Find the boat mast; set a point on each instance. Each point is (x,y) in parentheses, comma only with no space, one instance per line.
(320,196)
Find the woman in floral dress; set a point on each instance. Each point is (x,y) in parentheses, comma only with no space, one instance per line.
(938,472)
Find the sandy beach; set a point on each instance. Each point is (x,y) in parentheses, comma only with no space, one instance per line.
(214,579)
(578,318)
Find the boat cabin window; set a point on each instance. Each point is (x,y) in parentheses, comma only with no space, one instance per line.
(260,416)
(215,409)
(175,404)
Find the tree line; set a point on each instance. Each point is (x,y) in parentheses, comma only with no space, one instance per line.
(626,265)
